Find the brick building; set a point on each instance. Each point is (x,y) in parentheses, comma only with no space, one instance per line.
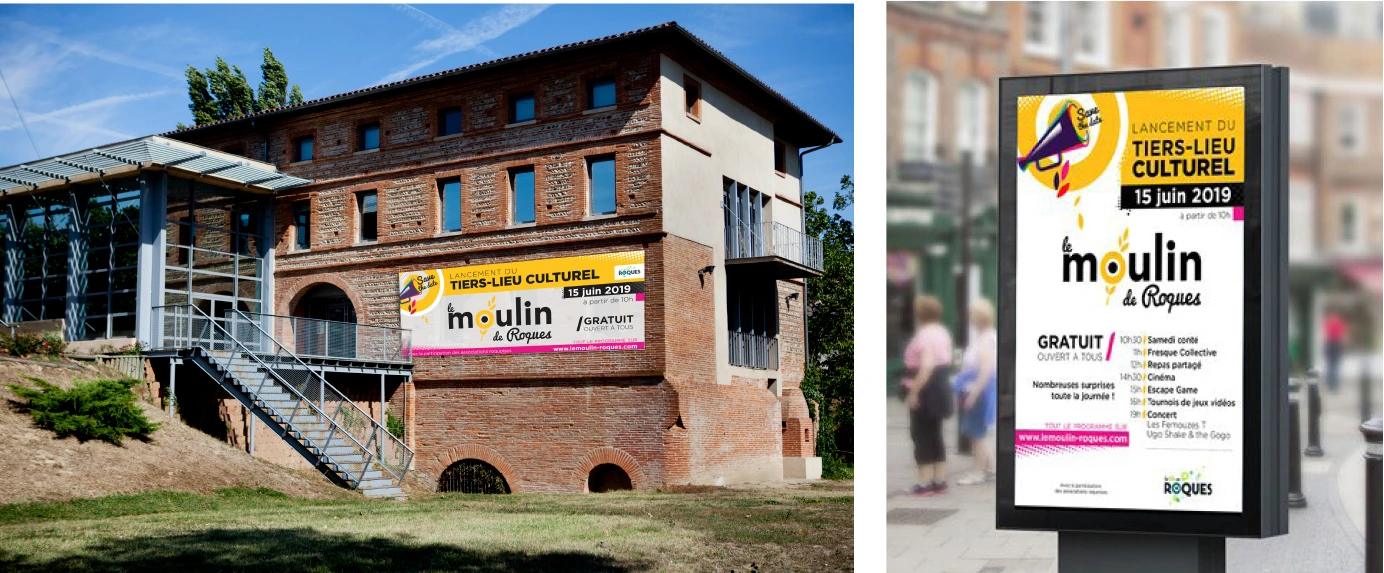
(647,144)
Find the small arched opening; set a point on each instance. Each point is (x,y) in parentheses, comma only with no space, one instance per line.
(325,302)
(472,476)
(608,477)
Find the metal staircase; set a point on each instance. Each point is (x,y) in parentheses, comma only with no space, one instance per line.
(330,431)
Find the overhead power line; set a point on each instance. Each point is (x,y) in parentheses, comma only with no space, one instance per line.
(23,123)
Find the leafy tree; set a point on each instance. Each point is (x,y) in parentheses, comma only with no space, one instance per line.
(273,88)
(223,91)
(829,379)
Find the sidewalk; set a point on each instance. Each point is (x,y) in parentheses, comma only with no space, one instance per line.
(955,533)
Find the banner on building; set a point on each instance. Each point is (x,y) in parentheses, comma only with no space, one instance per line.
(569,304)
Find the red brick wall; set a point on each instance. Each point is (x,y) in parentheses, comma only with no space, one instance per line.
(544,420)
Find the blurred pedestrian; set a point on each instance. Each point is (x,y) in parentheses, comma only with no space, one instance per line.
(1334,331)
(975,390)
(928,395)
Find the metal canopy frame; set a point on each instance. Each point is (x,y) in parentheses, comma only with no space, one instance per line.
(146,152)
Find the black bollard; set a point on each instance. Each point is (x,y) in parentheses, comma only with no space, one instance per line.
(1314,416)
(1295,497)
(1374,514)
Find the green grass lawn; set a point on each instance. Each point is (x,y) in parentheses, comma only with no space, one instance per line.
(704,529)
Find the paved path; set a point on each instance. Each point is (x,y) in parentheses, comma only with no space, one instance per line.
(955,533)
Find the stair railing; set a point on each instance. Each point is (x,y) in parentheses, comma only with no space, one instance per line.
(385,448)
(213,336)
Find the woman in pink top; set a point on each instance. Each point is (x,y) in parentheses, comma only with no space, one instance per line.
(928,395)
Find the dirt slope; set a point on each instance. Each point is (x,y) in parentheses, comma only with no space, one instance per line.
(35,465)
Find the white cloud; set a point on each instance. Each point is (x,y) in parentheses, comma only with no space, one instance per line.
(470,37)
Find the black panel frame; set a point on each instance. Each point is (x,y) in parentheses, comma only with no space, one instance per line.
(1264,505)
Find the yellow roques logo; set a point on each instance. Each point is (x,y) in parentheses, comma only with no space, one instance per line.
(1067,143)
(420,291)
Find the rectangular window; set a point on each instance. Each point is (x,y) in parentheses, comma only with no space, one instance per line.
(302,148)
(368,136)
(600,93)
(692,97)
(449,121)
(302,233)
(521,183)
(1040,29)
(1177,37)
(369,217)
(450,192)
(780,157)
(245,232)
(521,107)
(1215,38)
(600,171)
(920,116)
(1350,117)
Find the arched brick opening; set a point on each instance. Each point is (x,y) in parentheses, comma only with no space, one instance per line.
(472,476)
(612,456)
(306,288)
(440,463)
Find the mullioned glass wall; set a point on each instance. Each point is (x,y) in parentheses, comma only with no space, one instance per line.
(74,253)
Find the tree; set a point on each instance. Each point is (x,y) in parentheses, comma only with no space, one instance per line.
(829,377)
(273,88)
(223,91)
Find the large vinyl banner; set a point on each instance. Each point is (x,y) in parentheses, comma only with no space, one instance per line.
(593,302)
(1129,304)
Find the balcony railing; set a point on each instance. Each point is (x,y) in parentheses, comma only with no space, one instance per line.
(753,351)
(749,240)
(306,337)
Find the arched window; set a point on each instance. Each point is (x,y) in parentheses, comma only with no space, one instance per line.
(608,477)
(472,476)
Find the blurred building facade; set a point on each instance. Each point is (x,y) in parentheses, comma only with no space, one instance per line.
(944,62)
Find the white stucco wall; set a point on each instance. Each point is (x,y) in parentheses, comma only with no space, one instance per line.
(741,144)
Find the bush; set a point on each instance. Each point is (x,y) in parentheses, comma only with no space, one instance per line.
(100,409)
(395,425)
(23,344)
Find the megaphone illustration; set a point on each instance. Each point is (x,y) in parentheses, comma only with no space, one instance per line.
(1062,137)
(410,290)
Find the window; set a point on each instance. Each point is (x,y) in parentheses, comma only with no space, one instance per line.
(521,184)
(1320,17)
(1215,38)
(600,93)
(1040,29)
(449,121)
(245,233)
(368,136)
(302,233)
(920,117)
(449,191)
(743,209)
(521,107)
(235,149)
(302,148)
(692,97)
(752,318)
(1092,32)
(1302,214)
(780,157)
(974,7)
(1350,127)
(369,216)
(1351,237)
(1177,37)
(1301,120)
(600,172)
(971,125)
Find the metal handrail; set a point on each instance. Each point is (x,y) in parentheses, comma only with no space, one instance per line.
(368,453)
(753,350)
(377,429)
(747,240)
(359,341)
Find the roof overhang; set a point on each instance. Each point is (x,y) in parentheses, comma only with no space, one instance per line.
(151,153)
(811,131)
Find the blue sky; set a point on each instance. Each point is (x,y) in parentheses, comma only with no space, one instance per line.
(89,75)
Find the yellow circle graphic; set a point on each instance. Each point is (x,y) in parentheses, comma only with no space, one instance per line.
(1101,140)
(484,318)
(420,291)
(1112,260)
